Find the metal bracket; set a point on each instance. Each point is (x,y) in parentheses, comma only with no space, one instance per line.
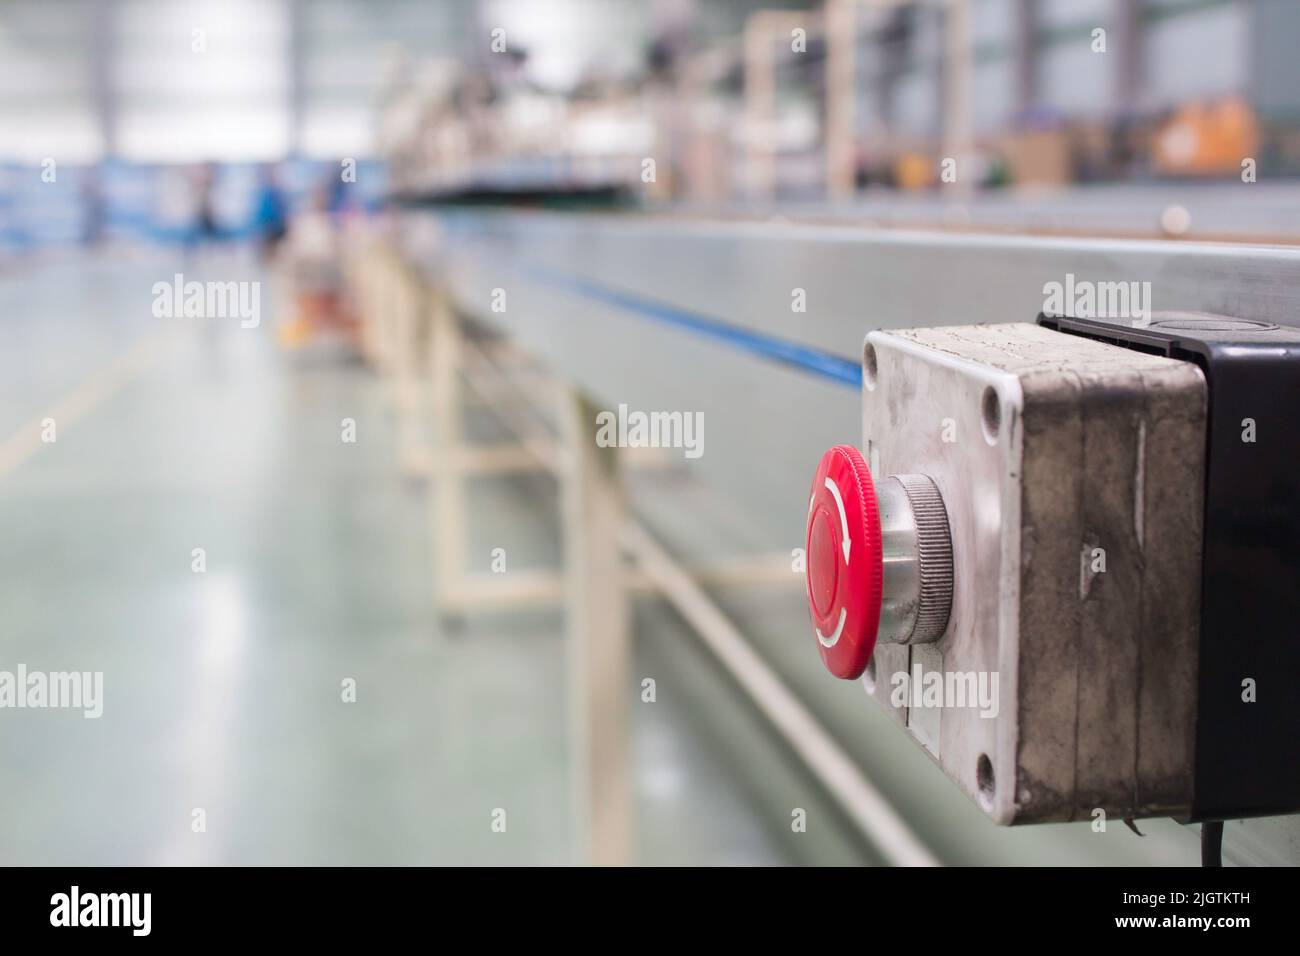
(1050,453)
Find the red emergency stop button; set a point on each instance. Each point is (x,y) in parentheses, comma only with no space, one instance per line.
(844,562)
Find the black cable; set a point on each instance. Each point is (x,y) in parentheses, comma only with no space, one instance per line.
(1212,843)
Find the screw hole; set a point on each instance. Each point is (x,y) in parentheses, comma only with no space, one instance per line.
(869,366)
(991,415)
(984,781)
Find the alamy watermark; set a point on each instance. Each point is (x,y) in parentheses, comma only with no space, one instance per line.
(179,299)
(1084,299)
(924,689)
(75,690)
(128,910)
(633,429)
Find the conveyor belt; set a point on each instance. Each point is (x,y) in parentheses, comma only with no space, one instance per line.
(678,313)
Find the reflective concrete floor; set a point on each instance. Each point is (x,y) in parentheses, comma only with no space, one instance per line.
(222,689)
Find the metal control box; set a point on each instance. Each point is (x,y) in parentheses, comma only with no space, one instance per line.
(1072,473)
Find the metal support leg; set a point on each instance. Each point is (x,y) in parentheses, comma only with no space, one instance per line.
(449,489)
(597,634)
(410,390)
(377,339)
(371,275)
(405,303)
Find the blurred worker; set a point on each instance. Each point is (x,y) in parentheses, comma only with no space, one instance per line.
(270,215)
(314,253)
(92,207)
(205,180)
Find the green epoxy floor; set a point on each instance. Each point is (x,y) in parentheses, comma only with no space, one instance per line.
(222,689)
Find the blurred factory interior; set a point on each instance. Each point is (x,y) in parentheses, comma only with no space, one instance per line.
(294,358)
